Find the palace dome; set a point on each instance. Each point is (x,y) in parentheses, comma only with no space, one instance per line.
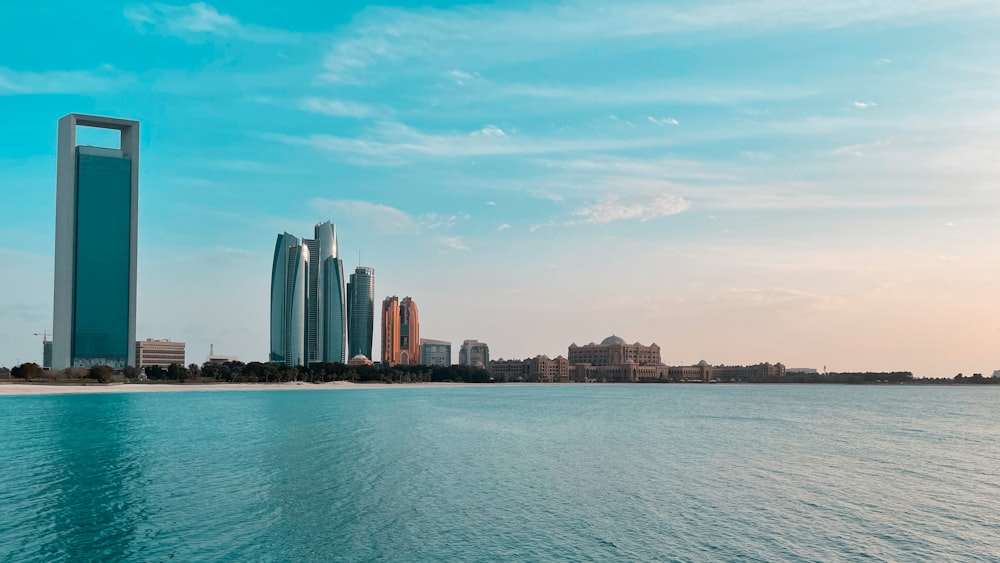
(613,340)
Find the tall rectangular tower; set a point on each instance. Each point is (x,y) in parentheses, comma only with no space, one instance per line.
(390,331)
(97,202)
(361,312)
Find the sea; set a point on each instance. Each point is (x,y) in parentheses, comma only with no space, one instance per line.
(505,473)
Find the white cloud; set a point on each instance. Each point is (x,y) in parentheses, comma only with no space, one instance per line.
(503,227)
(14,82)
(489,131)
(199,20)
(384,219)
(453,242)
(864,105)
(614,208)
(491,203)
(392,143)
(339,108)
(663,121)
(393,36)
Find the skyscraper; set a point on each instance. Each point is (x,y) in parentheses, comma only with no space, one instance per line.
(390,331)
(308,301)
(289,280)
(97,198)
(409,333)
(326,303)
(361,312)
(400,332)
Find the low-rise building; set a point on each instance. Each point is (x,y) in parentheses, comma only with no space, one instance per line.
(160,353)
(435,352)
(474,353)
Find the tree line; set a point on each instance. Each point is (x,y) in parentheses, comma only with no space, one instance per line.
(260,372)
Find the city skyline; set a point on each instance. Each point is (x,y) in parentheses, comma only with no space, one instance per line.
(735,181)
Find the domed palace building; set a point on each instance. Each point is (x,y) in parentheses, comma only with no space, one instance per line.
(616,360)
(614,351)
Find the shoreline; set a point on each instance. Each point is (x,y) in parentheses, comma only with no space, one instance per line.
(28,389)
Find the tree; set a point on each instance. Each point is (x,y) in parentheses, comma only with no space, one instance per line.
(177,372)
(101,373)
(130,372)
(155,373)
(26,371)
(195,371)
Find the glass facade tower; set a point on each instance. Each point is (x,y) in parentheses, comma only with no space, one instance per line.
(96,233)
(361,312)
(308,301)
(289,283)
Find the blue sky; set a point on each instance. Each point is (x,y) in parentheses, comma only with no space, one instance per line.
(739,181)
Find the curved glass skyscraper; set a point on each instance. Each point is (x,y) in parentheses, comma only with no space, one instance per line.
(361,312)
(322,302)
(289,280)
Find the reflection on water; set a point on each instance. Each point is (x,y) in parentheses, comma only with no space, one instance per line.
(503,473)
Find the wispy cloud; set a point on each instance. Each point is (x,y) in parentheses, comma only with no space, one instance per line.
(383,218)
(387,36)
(391,143)
(339,108)
(663,121)
(503,227)
(14,82)
(199,21)
(453,242)
(615,208)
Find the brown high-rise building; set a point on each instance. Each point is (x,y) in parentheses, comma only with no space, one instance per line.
(400,332)
(390,331)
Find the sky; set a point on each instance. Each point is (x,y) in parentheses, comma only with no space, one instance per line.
(740,181)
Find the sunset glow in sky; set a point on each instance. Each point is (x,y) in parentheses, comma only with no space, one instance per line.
(815,183)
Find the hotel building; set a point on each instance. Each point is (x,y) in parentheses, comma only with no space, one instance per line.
(97,197)
(614,351)
(400,332)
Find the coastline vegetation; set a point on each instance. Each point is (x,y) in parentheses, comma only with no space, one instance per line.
(260,372)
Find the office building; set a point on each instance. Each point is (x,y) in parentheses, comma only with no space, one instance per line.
(400,332)
(97,196)
(308,301)
(361,312)
(474,353)
(289,275)
(435,352)
(47,354)
(160,353)
(326,300)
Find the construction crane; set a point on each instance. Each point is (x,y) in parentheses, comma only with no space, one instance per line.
(44,334)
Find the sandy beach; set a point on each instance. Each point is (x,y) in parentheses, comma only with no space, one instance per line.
(11,389)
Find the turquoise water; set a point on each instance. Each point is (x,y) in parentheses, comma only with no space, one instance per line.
(498,473)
